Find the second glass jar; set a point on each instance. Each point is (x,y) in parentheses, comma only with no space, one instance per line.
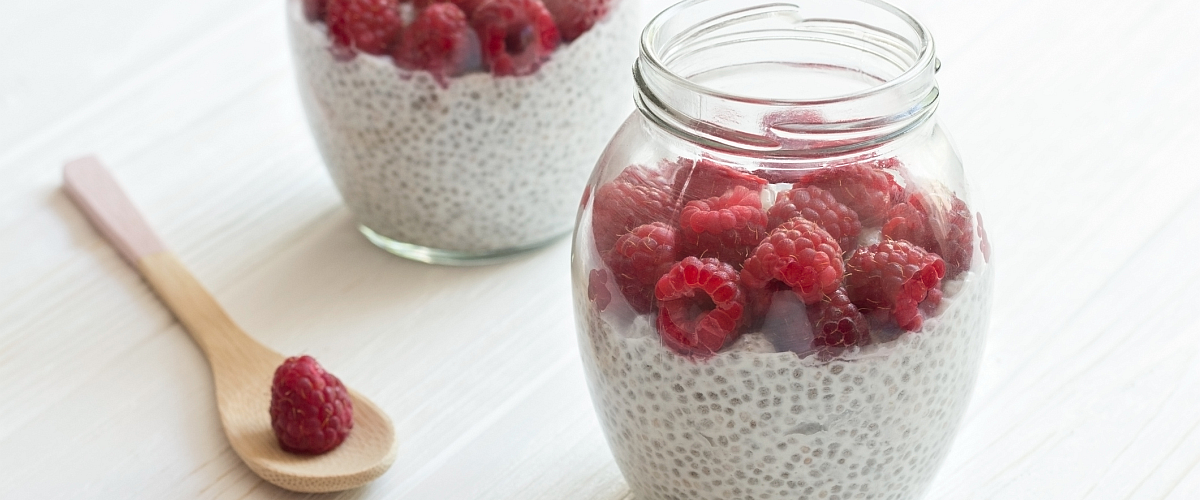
(461,132)
(782,281)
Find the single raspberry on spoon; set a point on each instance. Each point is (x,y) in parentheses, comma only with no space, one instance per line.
(517,36)
(700,306)
(576,17)
(311,411)
(367,25)
(439,41)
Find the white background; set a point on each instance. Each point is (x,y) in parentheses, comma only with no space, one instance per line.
(1076,118)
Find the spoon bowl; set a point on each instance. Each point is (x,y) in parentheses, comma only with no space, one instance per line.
(242,368)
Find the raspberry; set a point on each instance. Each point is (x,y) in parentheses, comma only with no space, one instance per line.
(897,192)
(367,25)
(314,10)
(863,187)
(819,206)
(726,227)
(896,276)
(575,17)
(837,323)
(598,289)
(439,41)
(933,299)
(799,254)
(517,35)
(467,6)
(697,180)
(957,248)
(910,222)
(638,195)
(700,306)
(639,259)
(946,233)
(311,411)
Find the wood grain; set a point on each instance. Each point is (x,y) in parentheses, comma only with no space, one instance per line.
(242,368)
(242,371)
(98,195)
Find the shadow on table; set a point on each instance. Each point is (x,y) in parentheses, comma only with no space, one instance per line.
(331,279)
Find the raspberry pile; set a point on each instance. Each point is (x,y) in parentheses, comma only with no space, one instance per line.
(450,38)
(311,412)
(706,247)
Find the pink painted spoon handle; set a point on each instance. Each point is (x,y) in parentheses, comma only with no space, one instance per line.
(95,191)
(101,199)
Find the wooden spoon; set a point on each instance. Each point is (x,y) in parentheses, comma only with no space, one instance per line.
(242,368)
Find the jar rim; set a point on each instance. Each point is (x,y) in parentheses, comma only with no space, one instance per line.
(925,56)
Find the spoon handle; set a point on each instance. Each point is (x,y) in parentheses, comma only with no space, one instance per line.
(97,194)
(242,368)
(101,199)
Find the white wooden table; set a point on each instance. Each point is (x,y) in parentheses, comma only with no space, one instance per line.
(1079,121)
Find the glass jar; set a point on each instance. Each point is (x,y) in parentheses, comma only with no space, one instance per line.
(782,283)
(461,132)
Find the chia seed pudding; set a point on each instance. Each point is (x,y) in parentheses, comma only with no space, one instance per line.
(756,333)
(473,165)
(752,423)
(781,286)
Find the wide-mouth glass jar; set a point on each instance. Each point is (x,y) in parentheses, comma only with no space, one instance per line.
(782,281)
(462,131)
